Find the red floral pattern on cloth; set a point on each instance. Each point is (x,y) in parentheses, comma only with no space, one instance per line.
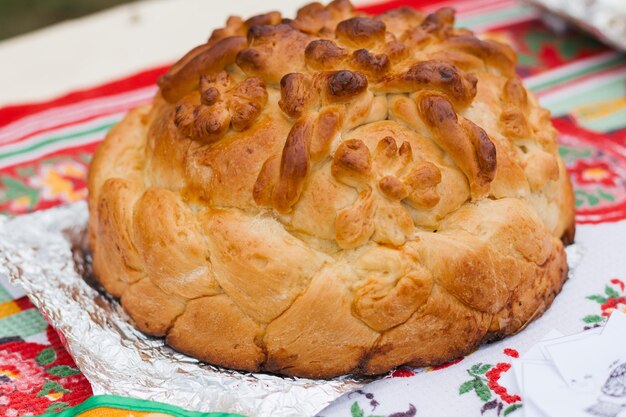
(538,50)
(37,378)
(493,375)
(486,384)
(511,352)
(597,166)
(57,179)
(593,173)
(613,298)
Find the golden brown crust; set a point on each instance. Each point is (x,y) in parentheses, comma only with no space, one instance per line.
(300,337)
(153,311)
(215,330)
(171,244)
(294,166)
(333,193)
(442,330)
(324,54)
(440,76)
(467,144)
(360,32)
(176,84)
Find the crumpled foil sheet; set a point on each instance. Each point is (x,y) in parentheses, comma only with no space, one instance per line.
(45,253)
(605,19)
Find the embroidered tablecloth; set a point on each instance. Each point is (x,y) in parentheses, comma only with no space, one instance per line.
(45,149)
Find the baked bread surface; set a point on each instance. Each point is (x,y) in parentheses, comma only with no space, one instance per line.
(337,193)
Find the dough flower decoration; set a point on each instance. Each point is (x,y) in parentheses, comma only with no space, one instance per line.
(219,104)
(387,181)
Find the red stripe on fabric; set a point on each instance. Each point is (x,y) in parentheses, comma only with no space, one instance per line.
(384,6)
(24,303)
(71,151)
(67,124)
(141,79)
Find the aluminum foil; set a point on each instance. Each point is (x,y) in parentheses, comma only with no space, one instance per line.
(605,19)
(45,253)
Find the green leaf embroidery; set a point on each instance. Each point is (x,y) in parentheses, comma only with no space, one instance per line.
(569,49)
(525,60)
(482,390)
(593,319)
(51,386)
(511,408)
(574,153)
(534,41)
(63,371)
(597,298)
(581,197)
(46,357)
(475,368)
(610,292)
(55,160)
(356,410)
(593,200)
(467,386)
(483,369)
(56,407)
(27,171)
(606,196)
(579,202)
(575,45)
(12,183)
(15,189)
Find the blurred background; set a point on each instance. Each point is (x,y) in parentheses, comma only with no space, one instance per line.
(21,16)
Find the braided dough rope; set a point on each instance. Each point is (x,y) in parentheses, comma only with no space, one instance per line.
(333,193)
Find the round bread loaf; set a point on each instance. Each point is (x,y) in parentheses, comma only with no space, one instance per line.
(337,193)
